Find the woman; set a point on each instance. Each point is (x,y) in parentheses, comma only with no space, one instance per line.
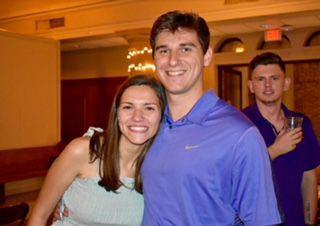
(99,178)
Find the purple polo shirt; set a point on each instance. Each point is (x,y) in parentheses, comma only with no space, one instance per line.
(289,168)
(209,168)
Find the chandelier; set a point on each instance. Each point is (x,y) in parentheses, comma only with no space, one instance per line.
(140,60)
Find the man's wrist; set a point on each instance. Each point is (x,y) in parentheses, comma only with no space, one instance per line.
(273,152)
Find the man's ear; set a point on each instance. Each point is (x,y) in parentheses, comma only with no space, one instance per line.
(207,57)
(287,83)
(250,85)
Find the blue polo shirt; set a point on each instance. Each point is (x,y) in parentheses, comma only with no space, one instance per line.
(209,168)
(289,168)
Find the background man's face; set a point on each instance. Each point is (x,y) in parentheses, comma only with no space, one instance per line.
(180,61)
(268,82)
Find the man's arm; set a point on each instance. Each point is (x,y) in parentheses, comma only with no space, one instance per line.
(253,194)
(310,196)
(285,142)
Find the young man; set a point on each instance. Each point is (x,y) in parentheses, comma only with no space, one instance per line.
(295,153)
(209,164)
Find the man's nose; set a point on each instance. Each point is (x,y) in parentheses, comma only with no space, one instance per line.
(268,82)
(173,58)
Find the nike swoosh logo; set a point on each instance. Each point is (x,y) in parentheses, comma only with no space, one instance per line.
(191,147)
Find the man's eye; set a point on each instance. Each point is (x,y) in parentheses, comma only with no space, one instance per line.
(260,79)
(275,78)
(163,51)
(185,50)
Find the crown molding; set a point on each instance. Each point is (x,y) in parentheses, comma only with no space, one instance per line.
(100,23)
(257,9)
(86,5)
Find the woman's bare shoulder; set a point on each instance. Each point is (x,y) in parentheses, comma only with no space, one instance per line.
(78,148)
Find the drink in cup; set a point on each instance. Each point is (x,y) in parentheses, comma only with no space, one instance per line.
(293,122)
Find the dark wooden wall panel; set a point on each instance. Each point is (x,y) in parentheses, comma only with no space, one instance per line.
(25,163)
(84,103)
(307,91)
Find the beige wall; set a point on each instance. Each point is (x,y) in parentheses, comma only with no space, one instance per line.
(102,62)
(29,91)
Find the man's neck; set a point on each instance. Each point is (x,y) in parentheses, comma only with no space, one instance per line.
(272,112)
(181,104)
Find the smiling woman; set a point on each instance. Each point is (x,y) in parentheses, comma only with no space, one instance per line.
(138,115)
(98,178)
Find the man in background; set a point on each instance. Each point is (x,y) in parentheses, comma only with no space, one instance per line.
(295,153)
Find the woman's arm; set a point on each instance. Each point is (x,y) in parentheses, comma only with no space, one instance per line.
(60,175)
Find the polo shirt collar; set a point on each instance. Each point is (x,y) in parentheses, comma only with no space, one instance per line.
(198,113)
(256,113)
(258,116)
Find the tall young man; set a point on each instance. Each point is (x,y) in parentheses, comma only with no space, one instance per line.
(295,153)
(209,164)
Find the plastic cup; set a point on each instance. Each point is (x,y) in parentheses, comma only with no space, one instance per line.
(293,122)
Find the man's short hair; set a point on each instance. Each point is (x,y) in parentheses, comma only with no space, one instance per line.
(175,20)
(266,59)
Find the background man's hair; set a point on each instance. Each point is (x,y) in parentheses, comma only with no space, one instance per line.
(266,59)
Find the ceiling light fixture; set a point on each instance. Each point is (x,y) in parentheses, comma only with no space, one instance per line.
(140,60)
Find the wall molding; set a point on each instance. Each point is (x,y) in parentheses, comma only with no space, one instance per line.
(112,16)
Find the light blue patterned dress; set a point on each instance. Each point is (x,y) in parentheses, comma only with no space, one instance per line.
(90,204)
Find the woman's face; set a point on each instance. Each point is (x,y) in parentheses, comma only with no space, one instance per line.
(139,114)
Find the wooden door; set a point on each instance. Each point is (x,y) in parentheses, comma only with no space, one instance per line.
(230,86)
(84,103)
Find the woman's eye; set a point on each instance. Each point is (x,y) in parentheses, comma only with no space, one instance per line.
(150,109)
(126,107)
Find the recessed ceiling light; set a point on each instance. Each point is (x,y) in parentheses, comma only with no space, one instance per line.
(287,27)
(267,26)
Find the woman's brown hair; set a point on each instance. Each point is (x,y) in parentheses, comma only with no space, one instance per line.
(105,146)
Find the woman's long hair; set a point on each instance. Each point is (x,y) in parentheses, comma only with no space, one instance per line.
(105,146)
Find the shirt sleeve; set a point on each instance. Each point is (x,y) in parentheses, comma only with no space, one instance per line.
(253,194)
(310,146)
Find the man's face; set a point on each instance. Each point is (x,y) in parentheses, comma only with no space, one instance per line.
(179,60)
(268,83)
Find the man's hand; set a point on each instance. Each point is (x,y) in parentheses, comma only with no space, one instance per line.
(285,142)
(58,215)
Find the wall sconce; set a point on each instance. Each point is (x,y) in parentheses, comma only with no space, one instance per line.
(239,49)
(140,60)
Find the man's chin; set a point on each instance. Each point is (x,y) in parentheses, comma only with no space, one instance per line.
(268,102)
